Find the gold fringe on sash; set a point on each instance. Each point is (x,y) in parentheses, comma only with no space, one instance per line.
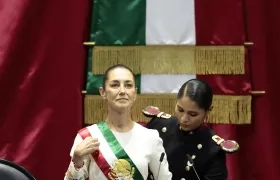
(167,59)
(226,109)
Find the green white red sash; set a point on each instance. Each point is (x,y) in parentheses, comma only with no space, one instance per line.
(110,150)
(97,155)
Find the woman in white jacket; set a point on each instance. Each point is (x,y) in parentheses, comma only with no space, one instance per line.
(117,147)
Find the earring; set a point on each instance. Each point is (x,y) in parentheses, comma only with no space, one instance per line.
(206,119)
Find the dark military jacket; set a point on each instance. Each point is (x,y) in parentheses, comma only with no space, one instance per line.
(190,152)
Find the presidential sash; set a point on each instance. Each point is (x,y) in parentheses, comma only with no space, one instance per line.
(119,166)
(97,155)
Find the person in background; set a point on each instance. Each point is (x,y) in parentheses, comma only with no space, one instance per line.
(117,147)
(193,150)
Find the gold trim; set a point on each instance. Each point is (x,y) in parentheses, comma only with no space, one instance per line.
(257,92)
(89,43)
(248,43)
(227,109)
(171,59)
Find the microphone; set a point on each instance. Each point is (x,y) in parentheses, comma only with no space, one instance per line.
(160,160)
(190,163)
(161,157)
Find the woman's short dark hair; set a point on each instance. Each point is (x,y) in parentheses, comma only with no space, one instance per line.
(198,91)
(112,68)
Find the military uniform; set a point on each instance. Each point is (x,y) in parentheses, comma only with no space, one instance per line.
(198,153)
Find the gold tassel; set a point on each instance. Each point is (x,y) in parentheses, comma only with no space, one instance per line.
(171,59)
(220,59)
(227,109)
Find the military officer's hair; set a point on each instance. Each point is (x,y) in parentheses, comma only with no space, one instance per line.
(198,91)
(112,68)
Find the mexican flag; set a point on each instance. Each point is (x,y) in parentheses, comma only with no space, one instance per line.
(158,40)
